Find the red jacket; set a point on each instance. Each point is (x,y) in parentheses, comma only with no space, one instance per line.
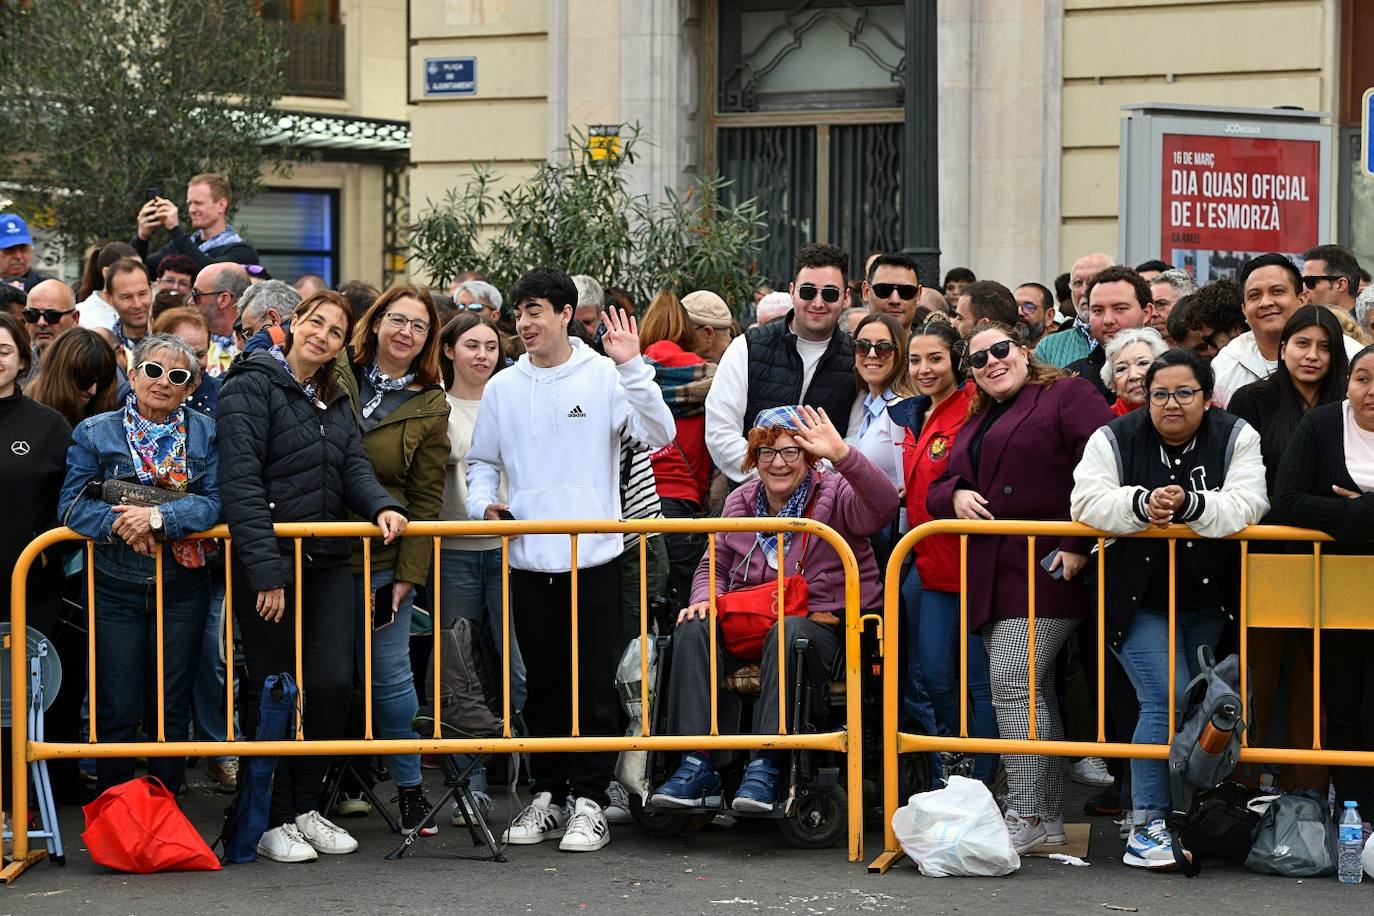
(682,469)
(924,458)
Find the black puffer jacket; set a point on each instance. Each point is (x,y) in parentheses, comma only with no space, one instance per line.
(284,459)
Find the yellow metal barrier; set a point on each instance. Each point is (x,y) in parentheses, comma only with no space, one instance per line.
(1313,592)
(846,741)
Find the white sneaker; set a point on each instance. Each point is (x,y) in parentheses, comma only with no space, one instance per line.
(1054,832)
(587,831)
(326,836)
(1025,835)
(617,810)
(460,812)
(541,820)
(285,844)
(1091,771)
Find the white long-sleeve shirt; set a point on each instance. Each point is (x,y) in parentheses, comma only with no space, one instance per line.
(1240,362)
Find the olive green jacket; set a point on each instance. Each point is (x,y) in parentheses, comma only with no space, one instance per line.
(409,452)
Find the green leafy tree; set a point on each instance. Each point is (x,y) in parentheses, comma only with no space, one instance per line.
(108,99)
(578,214)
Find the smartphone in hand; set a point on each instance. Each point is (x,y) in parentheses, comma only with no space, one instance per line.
(383,614)
(1048,560)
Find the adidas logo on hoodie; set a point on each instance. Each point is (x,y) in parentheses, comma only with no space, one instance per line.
(577,412)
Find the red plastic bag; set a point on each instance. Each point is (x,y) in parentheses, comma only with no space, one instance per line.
(137,827)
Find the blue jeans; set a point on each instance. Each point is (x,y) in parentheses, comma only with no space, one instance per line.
(207,694)
(126,667)
(1145,656)
(932,621)
(471,585)
(393,682)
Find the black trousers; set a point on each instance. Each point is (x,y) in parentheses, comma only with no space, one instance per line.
(1348,696)
(542,606)
(326,675)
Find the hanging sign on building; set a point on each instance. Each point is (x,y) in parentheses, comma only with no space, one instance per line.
(1205,190)
(450,76)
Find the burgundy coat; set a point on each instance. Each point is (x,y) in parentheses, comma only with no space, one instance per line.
(1026,472)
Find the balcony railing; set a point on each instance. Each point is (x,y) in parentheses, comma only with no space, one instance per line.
(314,62)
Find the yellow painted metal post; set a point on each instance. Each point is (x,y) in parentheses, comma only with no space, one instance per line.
(711,626)
(300,685)
(854,745)
(1244,640)
(1173,631)
(369,620)
(228,642)
(576,679)
(158,625)
(90,636)
(1316,646)
(780,639)
(505,637)
(963,634)
(644,634)
(1102,638)
(1030,634)
(435,618)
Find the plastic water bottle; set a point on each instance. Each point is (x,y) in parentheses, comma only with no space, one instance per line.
(1352,844)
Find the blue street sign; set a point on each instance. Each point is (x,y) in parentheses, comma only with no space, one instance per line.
(1367,159)
(450,76)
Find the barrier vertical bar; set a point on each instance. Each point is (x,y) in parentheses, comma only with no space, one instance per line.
(228,641)
(161,653)
(780,639)
(853,747)
(1102,636)
(435,618)
(19,720)
(369,621)
(711,625)
(1317,646)
(644,633)
(963,634)
(299,613)
(1244,638)
(505,638)
(1030,634)
(1173,631)
(576,679)
(892,610)
(90,636)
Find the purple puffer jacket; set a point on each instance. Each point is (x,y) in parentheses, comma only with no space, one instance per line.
(856,499)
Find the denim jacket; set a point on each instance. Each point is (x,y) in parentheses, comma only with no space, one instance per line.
(100,451)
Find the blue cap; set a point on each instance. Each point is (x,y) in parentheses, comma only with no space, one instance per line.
(13,231)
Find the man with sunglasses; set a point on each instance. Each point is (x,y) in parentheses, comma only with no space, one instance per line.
(893,286)
(216,293)
(1330,277)
(50,313)
(804,358)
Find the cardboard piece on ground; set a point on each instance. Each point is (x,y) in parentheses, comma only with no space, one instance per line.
(1077,845)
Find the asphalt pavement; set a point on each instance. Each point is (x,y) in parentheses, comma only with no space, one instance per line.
(734,871)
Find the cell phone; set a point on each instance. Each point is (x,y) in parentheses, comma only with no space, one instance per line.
(152,192)
(504,515)
(1048,560)
(383,614)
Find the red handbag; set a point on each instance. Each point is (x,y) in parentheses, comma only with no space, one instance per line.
(747,614)
(137,827)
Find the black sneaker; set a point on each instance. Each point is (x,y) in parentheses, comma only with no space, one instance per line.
(415,810)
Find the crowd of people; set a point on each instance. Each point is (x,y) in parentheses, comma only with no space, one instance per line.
(1120,397)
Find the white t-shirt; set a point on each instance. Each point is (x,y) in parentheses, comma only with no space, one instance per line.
(1359,450)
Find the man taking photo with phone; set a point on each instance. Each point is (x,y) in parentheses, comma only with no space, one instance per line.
(213,239)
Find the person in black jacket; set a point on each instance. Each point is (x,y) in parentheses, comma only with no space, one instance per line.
(294,454)
(1326,481)
(207,204)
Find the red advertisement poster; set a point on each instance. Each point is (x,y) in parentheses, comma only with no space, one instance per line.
(1226,199)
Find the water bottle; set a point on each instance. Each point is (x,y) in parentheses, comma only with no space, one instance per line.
(1351,835)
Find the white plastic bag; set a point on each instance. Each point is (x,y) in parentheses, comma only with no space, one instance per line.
(956,830)
(1367,857)
(631,767)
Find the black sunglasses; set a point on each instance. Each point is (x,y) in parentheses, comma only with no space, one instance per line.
(884,347)
(51,316)
(999,350)
(155,371)
(1312,281)
(904,290)
(807,292)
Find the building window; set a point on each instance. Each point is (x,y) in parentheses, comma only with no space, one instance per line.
(295,232)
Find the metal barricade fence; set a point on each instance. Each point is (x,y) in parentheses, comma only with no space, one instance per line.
(1277,591)
(846,741)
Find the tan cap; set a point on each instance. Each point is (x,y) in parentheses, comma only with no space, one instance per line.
(707,309)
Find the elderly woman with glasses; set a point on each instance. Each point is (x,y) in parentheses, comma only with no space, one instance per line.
(856,498)
(153,441)
(1128,358)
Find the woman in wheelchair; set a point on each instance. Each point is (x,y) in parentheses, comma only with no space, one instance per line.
(855,498)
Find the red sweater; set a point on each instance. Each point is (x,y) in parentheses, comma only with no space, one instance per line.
(924,459)
(682,469)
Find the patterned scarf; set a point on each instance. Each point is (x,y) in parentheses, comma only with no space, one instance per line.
(796,503)
(159,453)
(310,387)
(684,387)
(225,238)
(381,384)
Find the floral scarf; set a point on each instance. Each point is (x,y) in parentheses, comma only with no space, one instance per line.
(159,453)
(382,384)
(796,503)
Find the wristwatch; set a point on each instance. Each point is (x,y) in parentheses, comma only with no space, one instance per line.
(155,522)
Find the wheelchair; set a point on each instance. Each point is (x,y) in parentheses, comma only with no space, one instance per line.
(812,805)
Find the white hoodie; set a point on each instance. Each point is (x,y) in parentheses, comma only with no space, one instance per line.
(556,435)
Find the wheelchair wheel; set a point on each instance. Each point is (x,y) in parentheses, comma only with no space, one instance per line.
(820,820)
(657,823)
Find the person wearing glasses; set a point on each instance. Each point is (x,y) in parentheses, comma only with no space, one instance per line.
(395,383)
(1271,291)
(153,440)
(1129,357)
(1330,277)
(265,315)
(1179,462)
(50,312)
(893,287)
(1014,458)
(805,358)
(216,292)
(1037,312)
